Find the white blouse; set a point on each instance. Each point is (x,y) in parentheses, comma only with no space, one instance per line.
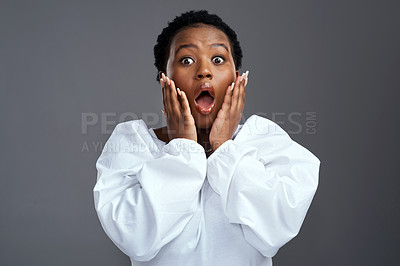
(167,204)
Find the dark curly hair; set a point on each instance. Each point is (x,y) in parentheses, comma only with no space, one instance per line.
(190,19)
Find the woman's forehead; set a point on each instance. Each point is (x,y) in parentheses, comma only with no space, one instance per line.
(203,35)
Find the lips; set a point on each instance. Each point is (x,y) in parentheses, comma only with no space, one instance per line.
(205,98)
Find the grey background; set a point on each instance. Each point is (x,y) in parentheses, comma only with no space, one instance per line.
(60,60)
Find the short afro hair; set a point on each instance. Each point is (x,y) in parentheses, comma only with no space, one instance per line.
(190,19)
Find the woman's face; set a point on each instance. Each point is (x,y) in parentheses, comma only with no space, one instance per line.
(201,64)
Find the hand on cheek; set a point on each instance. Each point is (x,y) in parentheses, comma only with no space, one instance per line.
(180,122)
(229,115)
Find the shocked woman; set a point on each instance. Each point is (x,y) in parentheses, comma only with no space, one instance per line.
(203,190)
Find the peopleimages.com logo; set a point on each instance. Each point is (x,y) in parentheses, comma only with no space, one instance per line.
(293,123)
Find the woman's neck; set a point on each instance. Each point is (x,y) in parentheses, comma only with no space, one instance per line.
(202,138)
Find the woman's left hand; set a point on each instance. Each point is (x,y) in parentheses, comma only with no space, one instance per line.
(229,115)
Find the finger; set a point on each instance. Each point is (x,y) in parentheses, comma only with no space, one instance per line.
(243,95)
(185,104)
(167,102)
(166,79)
(240,104)
(236,90)
(246,79)
(162,86)
(162,83)
(242,89)
(175,104)
(228,97)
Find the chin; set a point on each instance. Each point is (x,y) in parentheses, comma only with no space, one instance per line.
(204,122)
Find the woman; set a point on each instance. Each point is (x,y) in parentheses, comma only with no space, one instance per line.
(203,190)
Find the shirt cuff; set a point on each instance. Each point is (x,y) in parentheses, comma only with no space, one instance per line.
(182,146)
(222,164)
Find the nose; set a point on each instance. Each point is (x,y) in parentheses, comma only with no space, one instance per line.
(204,71)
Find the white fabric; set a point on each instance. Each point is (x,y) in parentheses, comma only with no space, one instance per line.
(167,204)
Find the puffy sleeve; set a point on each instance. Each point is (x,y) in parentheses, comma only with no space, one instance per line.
(266,182)
(143,198)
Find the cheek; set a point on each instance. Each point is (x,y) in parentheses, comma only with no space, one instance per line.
(225,81)
(228,75)
(180,77)
(184,85)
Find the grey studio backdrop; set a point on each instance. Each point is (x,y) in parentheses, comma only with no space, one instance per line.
(326,71)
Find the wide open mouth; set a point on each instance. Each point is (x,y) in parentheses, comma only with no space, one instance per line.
(205,100)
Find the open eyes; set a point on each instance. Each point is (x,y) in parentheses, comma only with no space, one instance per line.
(216,60)
(187,61)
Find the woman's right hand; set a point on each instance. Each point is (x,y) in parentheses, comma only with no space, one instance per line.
(180,122)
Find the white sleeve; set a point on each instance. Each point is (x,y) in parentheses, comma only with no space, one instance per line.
(266,183)
(144,202)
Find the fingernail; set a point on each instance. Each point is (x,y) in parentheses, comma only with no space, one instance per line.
(179,91)
(233,85)
(243,76)
(247,74)
(169,81)
(245,82)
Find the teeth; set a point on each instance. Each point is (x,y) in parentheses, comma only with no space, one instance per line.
(209,109)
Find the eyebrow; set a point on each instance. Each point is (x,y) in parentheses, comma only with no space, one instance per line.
(195,46)
(219,45)
(185,46)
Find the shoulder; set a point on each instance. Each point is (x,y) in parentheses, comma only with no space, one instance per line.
(271,140)
(131,127)
(131,134)
(129,145)
(259,127)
